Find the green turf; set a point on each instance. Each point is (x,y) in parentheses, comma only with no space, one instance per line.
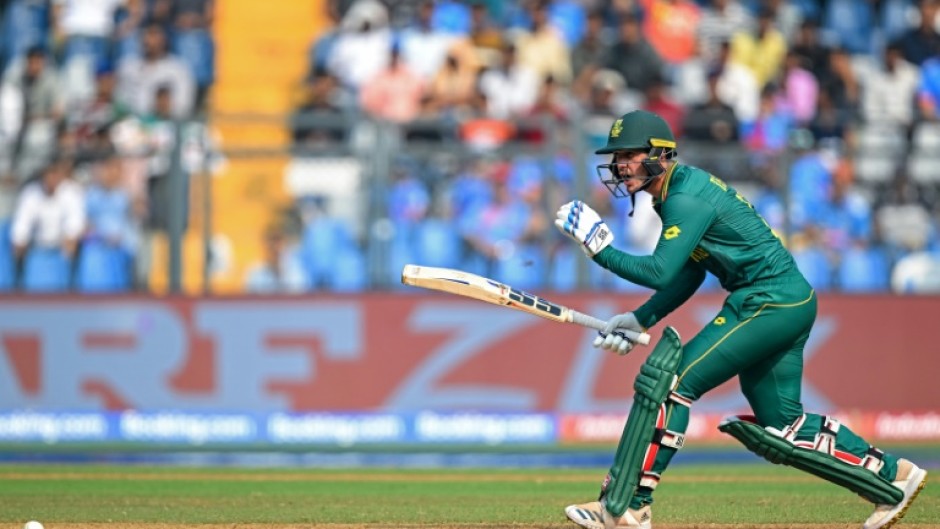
(759,493)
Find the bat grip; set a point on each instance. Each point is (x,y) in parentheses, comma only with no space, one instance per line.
(591,322)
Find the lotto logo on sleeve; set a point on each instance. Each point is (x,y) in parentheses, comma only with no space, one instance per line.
(672,232)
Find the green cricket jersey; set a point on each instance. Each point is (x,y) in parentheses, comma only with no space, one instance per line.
(707,226)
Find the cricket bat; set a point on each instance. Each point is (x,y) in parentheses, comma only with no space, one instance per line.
(484,289)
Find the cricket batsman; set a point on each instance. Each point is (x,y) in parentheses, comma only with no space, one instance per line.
(758,335)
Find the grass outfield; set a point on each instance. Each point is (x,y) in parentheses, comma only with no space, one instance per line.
(693,496)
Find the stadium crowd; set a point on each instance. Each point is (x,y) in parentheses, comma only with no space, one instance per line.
(845,92)
(825,113)
(88,95)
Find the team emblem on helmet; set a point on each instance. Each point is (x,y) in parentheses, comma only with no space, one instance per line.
(616,128)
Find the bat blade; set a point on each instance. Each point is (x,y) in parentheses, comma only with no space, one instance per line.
(484,289)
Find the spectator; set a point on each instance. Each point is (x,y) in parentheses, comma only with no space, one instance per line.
(90,117)
(48,221)
(720,21)
(193,44)
(846,219)
(633,57)
(690,79)
(504,229)
(509,88)
(713,120)
(659,102)
(830,122)
(807,45)
(589,54)
(395,94)
(361,50)
(484,34)
(768,135)
(810,180)
(111,239)
(553,101)
(888,92)
(737,87)
(800,89)
(453,90)
(408,200)
(85,29)
(787,16)
(140,78)
(281,270)
(108,205)
(543,50)
(424,49)
(609,100)
(671,26)
(37,83)
(319,118)
(922,42)
(12,106)
(762,51)
(839,81)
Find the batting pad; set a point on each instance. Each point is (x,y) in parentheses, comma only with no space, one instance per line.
(657,377)
(779,451)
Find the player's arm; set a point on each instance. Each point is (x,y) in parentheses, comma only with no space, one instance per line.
(687,281)
(685,219)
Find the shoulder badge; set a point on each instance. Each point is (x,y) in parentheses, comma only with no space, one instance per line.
(672,232)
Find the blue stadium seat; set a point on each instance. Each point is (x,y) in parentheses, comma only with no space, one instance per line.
(850,23)
(863,270)
(524,269)
(25,24)
(893,18)
(46,270)
(322,241)
(400,252)
(102,268)
(350,272)
(570,18)
(437,244)
(97,49)
(451,17)
(814,265)
(564,271)
(195,47)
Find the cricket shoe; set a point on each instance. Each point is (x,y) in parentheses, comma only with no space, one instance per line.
(593,515)
(887,515)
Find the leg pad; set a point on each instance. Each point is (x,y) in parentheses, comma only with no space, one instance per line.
(781,451)
(646,421)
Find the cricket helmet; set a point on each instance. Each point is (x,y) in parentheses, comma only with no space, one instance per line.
(637,131)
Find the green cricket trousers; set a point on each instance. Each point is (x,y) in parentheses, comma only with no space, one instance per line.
(758,336)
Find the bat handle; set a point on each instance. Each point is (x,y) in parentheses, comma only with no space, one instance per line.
(590,321)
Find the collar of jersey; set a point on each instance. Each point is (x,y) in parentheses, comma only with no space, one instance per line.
(665,191)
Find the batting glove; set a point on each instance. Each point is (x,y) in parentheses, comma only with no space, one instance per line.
(578,221)
(612,339)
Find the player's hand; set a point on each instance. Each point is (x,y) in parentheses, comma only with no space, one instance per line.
(578,221)
(612,337)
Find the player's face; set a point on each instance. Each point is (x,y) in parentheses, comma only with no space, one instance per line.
(630,170)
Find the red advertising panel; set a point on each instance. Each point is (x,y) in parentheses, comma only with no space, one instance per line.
(399,352)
